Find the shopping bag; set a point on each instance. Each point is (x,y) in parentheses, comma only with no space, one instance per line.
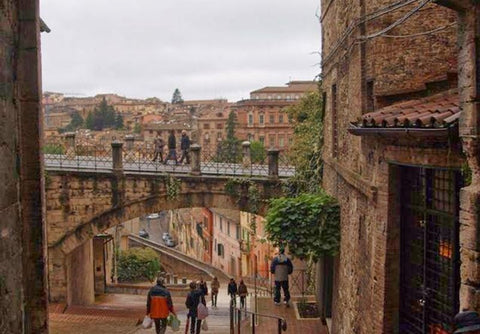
(204,325)
(202,311)
(175,324)
(147,322)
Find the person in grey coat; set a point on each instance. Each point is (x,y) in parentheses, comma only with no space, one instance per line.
(281,267)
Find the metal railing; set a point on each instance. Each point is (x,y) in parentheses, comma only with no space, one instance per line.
(71,153)
(250,321)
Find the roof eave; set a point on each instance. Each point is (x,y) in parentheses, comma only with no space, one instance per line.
(400,132)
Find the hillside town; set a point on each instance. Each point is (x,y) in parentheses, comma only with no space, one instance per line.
(347,204)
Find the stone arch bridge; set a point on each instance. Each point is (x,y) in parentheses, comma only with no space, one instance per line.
(85,199)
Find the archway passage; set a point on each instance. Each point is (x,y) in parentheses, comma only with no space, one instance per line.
(81,205)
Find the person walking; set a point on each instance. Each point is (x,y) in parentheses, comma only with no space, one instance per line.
(281,267)
(203,286)
(159,144)
(185,147)
(194,297)
(242,292)
(232,291)
(172,148)
(215,286)
(159,305)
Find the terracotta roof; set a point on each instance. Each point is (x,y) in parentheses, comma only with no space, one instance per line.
(437,111)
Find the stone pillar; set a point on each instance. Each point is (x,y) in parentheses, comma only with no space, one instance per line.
(129,145)
(246,159)
(80,276)
(117,157)
(70,145)
(273,154)
(195,151)
(469,87)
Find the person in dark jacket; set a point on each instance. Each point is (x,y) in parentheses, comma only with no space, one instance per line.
(194,297)
(203,286)
(281,267)
(159,306)
(467,322)
(185,147)
(172,148)
(232,291)
(242,292)
(215,287)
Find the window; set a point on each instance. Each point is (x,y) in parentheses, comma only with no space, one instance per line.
(271,140)
(228,228)
(261,118)
(280,118)
(237,232)
(281,140)
(220,250)
(206,126)
(272,119)
(250,119)
(221,224)
(250,137)
(261,139)
(370,102)
(219,126)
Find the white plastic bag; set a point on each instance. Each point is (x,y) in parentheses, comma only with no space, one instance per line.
(204,325)
(175,324)
(147,322)
(202,311)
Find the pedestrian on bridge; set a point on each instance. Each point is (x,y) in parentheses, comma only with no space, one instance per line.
(215,285)
(194,297)
(159,144)
(185,147)
(159,305)
(232,291)
(281,267)
(172,148)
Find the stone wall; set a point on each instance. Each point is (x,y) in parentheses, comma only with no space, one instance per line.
(23,303)
(360,171)
(81,205)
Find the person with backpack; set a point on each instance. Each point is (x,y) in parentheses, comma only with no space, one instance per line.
(215,285)
(242,292)
(159,306)
(172,148)
(232,291)
(281,267)
(194,298)
(185,147)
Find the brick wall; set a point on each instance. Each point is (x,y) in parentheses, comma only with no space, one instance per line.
(360,172)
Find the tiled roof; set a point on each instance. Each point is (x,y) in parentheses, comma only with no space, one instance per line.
(437,111)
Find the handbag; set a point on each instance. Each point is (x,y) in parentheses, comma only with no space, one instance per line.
(147,322)
(204,325)
(175,324)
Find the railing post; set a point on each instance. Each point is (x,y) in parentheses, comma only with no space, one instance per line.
(117,157)
(70,144)
(279,326)
(273,162)
(253,323)
(232,326)
(195,149)
(129,141)
(246,158)
(239,320)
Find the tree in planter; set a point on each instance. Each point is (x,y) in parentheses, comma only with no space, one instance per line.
(138,265)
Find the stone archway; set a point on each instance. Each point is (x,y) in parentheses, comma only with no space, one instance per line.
(88,204)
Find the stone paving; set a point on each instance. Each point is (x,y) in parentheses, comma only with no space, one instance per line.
(122,313)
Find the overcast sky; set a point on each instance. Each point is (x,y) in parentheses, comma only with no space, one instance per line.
(206,48)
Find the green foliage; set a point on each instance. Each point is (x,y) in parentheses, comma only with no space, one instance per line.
(309,224)
(466,174)
(172,185)
(229,150)
(177,97)
(246,194)
(257,152)
(306,151)
(75,123)
(103,116)
(138,265)
(137,128)
(53,149)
